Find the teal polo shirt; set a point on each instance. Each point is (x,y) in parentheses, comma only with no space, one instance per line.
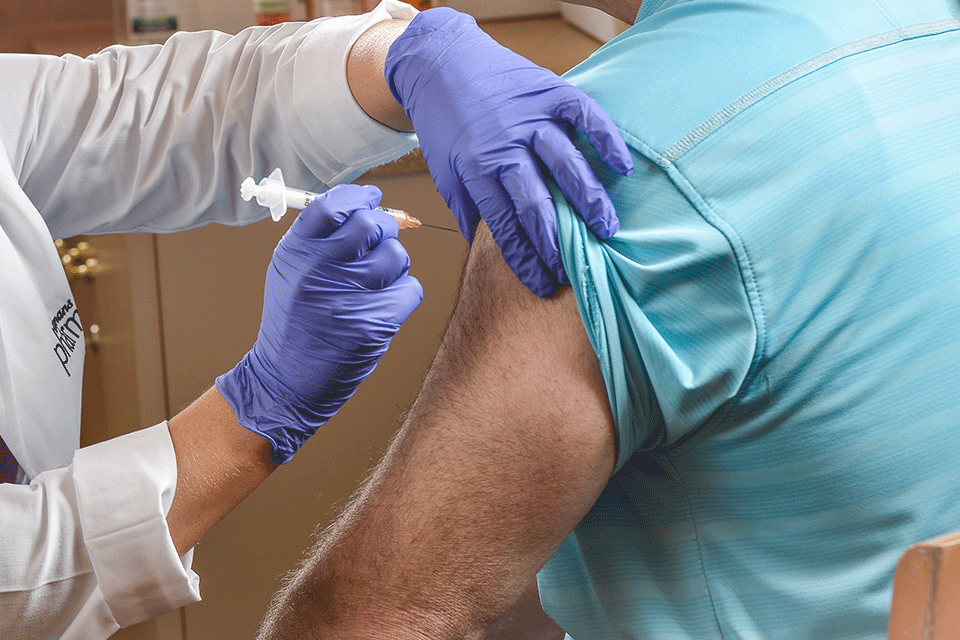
(777,320)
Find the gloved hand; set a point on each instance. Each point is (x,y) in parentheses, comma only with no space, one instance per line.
(484,115)
(336,292)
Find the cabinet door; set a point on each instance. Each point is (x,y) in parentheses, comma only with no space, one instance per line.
(117,298)
(44,26)
(114,285)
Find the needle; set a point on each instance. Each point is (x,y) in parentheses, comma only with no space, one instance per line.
(433,226)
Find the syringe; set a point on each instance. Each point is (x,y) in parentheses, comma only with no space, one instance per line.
(276,196)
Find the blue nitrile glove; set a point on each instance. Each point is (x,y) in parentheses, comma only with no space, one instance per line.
(336,292)
(484,116)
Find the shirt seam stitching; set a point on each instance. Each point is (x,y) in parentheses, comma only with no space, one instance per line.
(748,279)
(820,61)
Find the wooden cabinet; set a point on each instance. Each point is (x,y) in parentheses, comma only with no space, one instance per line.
(30,26)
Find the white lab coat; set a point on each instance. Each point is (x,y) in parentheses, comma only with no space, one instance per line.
(135,139)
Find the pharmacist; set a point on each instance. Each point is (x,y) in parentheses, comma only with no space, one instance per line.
(158,139)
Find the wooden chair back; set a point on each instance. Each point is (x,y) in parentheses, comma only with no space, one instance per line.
(926,592)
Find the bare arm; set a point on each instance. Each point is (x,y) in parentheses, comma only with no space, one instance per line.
(219,463)
(508,445)
(365,75)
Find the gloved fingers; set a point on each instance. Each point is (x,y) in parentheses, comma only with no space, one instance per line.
(363,230)
(377,314)
(576,180)
(526,264)
(382,266)
(536,212)
(408,294)
(458,200)
(585,113)
(483,193)
(328,212)
(519,253)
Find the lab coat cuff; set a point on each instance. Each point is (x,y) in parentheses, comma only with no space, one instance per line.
(361,142)
(124,490)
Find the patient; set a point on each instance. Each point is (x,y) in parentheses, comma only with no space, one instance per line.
(745,407)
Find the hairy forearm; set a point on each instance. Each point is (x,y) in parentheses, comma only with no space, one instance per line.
(505,450)
(365,64)
(219,463)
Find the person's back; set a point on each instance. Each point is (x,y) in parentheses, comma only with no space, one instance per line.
(778,320)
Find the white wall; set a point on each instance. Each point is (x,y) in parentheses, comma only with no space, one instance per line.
(491,10)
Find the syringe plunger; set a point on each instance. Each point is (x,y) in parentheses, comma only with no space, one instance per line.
(275,195)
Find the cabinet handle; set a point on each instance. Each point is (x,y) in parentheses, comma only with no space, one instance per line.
(92,339)
(80,261)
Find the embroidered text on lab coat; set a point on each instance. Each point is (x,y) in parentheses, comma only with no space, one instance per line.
(66,327)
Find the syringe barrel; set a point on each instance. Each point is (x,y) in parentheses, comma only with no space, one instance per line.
(299,199)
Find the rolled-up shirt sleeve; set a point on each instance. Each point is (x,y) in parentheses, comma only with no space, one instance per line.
(360,142)
(124,490)
(86,547)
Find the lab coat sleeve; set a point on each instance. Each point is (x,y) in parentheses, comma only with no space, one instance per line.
(88,546)
(158,138)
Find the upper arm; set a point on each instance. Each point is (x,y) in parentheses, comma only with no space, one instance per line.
(506,448)
(158,138)
(517,397)
(510,441)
